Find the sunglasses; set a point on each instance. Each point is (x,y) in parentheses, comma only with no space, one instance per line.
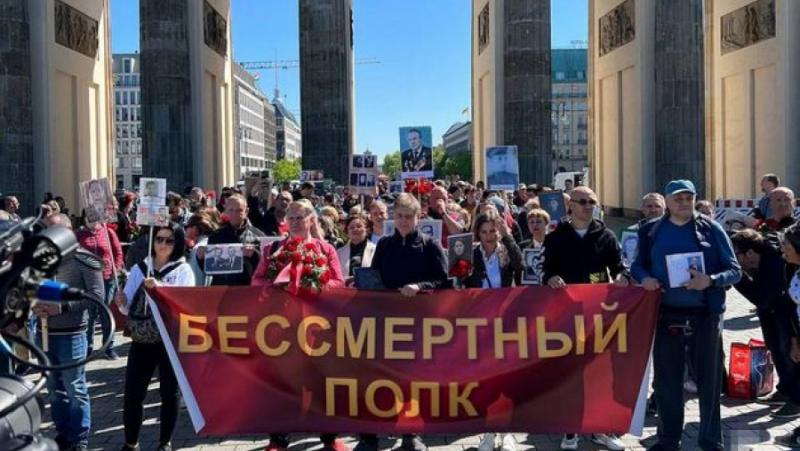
(584,202)
(165,240)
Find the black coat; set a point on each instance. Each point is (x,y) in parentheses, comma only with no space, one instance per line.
(266,221)
(508,272)
(415,258)
(582,260)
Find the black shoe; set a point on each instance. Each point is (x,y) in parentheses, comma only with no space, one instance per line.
(412,442)
(652,408)
(791,440)
(111,354)
(774,399)
(164,447)
(367,442)
(789,410)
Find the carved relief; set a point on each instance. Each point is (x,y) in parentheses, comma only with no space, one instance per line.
(748,25)
(215,30)
(76,30)
(617,27)
(483,29)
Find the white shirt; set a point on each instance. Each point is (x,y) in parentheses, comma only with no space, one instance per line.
(493,278)
(182,276)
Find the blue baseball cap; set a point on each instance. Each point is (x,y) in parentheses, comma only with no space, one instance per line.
(679,186)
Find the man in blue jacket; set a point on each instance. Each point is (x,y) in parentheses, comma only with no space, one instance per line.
(690,315)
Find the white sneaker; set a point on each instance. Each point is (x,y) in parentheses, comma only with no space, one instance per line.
(690,387)
(487,442)
(570,442)
(610,441)
(508,443)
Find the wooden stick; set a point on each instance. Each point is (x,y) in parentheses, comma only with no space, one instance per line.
(150,256)
(45,334)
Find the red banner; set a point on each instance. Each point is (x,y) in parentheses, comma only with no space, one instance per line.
(530,359)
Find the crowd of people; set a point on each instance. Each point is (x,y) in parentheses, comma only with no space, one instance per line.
(117,260)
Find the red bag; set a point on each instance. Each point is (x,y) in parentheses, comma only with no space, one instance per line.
(751,372)
(120,320)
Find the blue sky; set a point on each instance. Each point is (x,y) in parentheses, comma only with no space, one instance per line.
(423,47)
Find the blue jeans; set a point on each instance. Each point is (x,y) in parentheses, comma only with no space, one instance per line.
(94,313)
(67,390)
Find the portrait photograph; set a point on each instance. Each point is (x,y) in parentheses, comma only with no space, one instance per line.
(98,201)
(553,203)
(459,247)
(678,266)
(152,215)
(502,168)
(431,227)
(370,162)
(358,161)
(152,192)
(629,240)
(396,187)
(416,158)
(534,266)
(224,259)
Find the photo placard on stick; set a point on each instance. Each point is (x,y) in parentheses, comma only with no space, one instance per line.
(98,201)
(416,160)
(430,227)
(157,216)
(152,192)
(459,248)
(502,168)
(311,175)
(629,240)
(363,174)
(554,204)
(534,266)
(224,259)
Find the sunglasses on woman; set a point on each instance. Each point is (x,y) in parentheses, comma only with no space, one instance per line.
(165,240)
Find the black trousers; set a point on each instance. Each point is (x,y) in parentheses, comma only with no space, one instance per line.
(777,329)
(143,359)
(701,335)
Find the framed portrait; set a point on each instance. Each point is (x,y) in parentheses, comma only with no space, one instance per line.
(678,266)
(98,201)
(152,192)
(554,204)
(502,168)
(629,241)
(459,247)
(224,259)
(416,158)
(431,227)
(534,266)
(155,215)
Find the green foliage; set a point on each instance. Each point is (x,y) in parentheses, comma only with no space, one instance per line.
(286,170)
(459,164)
(391,164)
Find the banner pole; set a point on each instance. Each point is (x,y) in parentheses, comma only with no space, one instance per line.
(150,256)
(45,334)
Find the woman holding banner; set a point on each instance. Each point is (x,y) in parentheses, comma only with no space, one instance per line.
(304,234)
(497,257)
(167,267)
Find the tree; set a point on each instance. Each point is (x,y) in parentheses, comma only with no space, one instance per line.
(286,170)
(439,157)
(459,164)
(391,164)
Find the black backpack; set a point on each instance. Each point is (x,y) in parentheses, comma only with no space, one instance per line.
(141,326)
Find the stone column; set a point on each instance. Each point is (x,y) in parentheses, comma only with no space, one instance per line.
(16,122)
(527,87)
(326,80)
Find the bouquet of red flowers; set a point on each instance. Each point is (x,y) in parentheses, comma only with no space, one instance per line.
(300,266)
(462,269)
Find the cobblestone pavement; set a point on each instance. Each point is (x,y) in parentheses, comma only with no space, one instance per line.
(746,425)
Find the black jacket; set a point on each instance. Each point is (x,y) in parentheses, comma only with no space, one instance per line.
(582,260)
(508,273)
(266,221)
(767,288)
(414,258)
(245,235)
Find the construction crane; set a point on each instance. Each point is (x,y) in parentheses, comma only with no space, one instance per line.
(289,64)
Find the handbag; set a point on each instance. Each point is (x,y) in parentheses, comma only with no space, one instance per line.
(752,371)
(140,323)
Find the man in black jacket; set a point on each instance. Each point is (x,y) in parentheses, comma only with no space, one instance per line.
(583,250)
(410,262)
(764,283)
(272,221)
(237,229)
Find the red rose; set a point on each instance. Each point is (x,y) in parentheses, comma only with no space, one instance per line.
(325,277)
(321,261)
(310,247)
(307,270)
(308,260)
(297,257)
